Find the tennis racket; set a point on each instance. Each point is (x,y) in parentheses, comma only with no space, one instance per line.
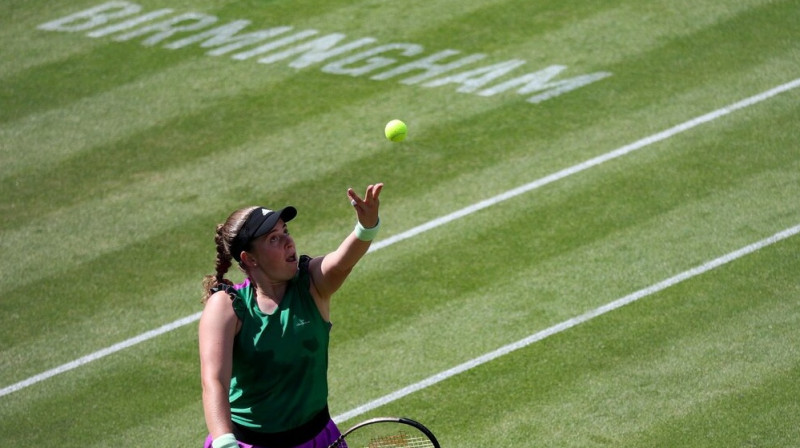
(387,432)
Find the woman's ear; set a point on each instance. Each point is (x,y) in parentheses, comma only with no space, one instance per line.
(248,260)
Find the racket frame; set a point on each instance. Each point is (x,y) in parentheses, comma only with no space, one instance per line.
(401,420)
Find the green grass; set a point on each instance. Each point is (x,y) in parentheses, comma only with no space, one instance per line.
(118,159)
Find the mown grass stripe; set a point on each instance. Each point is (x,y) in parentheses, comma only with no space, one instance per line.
(451,217)
(100,354)
(627,149)
(567,324)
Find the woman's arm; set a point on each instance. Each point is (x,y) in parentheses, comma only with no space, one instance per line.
(330,271)
(218,326)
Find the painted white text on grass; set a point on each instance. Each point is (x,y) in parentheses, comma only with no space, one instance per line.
(405,62)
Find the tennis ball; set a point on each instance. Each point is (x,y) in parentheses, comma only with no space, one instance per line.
(396,131)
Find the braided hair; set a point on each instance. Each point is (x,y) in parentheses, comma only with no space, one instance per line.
(225,233)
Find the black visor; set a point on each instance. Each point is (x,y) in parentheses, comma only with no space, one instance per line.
(259,222)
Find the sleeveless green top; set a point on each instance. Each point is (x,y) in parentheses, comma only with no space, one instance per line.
(280,361)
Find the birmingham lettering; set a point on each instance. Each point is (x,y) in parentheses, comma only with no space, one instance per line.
(407,63)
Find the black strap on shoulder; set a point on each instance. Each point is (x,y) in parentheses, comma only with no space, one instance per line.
(225,287)
(304,259)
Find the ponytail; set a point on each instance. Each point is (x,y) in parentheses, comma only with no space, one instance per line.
(223,263)
(225,233)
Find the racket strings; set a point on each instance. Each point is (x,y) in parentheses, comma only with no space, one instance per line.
(400,440)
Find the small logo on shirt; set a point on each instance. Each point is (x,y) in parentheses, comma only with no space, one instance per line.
(300,322)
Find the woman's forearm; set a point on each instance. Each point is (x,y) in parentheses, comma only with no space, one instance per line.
(217,409)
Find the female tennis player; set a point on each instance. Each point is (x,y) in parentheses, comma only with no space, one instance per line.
(264,342)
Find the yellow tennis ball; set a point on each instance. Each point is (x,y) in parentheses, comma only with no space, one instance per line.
(396,131)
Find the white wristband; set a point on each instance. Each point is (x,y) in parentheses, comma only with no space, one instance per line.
(365,234)
(225,441)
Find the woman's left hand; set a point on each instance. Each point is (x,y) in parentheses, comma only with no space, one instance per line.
(367,208)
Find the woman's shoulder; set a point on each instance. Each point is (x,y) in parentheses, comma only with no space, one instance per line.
(303,278)
(302,265)
(234,294)
(229,289)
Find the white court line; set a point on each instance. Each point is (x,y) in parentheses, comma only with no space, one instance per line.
(627,149)
(567,324)
(100,354)
(663,135)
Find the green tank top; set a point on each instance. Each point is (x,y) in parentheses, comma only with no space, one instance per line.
(280,361)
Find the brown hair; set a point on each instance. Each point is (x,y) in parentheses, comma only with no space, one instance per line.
(225,234)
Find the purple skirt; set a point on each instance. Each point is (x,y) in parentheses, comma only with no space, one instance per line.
(324,439)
